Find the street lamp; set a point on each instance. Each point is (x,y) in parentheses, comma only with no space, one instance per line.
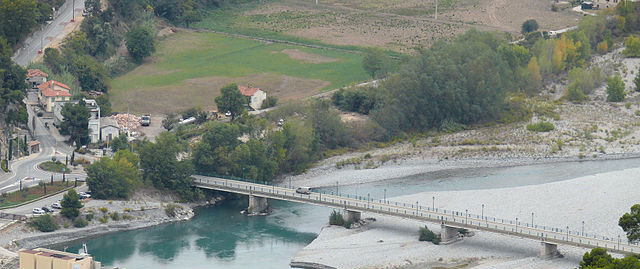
(482,211)
(433,203)
(337,188)
(385,195)
(466,216)
(583,228)
(531,219)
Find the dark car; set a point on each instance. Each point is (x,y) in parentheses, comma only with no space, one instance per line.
(47,209)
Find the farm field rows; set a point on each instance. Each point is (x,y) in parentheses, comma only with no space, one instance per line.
(388,24)
(189,68)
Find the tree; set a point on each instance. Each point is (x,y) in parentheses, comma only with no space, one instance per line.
(114,178)
(12,79)
(105,105)
(632,47)
(161,167)
(75,124)
(529,26)
(212,153)
(70,204)
(231,100)
(615,89)
(140,42)
(533,78)
(598,258)
(120,143)
(53,60)
(17,18)
(376,63)
(630,223)
(90,73)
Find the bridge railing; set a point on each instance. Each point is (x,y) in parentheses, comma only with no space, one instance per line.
(454,215)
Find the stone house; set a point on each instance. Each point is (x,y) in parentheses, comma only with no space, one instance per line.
(52,92)
(256,96)
(35,77)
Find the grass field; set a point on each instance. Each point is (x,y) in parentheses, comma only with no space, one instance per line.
(18,197)
(393,25)
(189,68)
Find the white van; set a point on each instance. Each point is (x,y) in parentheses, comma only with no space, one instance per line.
(303,190)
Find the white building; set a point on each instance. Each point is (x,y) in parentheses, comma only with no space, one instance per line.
(94,120)
(109,129)
(256,96)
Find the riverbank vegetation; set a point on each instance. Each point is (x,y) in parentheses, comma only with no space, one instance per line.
(427,235)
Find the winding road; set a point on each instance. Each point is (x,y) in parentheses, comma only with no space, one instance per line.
(48,32)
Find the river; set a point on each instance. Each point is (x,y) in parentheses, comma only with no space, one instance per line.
(220,237)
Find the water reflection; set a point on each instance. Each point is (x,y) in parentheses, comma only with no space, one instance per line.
(217,235)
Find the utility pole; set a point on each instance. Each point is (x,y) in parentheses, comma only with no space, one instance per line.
(73,11)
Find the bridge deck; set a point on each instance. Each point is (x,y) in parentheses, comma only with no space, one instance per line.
(449,218)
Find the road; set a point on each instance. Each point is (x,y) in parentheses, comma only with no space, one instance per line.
(26,168)
(47,33)
(449,218)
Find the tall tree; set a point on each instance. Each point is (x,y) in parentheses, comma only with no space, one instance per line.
(12,78)
(615,89)
(630,223)
(114,178)
(161,167)
(75,124)
(231,100)
(140,43)
(376,63)
(17,18)
(71,204)
(529,26)
(90,73)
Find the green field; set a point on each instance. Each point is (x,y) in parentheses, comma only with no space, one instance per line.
(189,68)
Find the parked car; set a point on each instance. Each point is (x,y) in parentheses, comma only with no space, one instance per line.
(38,211)
(228,114)
(85,195)
(146,120)
(47,209)
(303,190)
(56,206)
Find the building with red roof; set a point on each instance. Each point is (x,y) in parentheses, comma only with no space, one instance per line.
(256,96)
(51,92)
(35,77)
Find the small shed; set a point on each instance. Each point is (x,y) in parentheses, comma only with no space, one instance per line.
(34,146)
(109,129)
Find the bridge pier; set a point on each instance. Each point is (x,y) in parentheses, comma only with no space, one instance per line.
(448,235)
(353,216)
(549,250)
(257,205)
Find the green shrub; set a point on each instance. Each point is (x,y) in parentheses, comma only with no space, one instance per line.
(127,217)
(44,223)
(428,235)
(104,210)
(89,217)
(80,222)
(615,89)
(115,216)
(336,219)
(542,126)
(103,219)
(4,165)
(65,225)
(127,209)
(172,210)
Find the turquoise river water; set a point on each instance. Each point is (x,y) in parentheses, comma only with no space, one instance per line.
(220,237)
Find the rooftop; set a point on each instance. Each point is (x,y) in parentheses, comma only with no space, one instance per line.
(36,73)
(48,90)
(248,91)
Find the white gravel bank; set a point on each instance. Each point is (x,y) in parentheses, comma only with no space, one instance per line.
(598,200)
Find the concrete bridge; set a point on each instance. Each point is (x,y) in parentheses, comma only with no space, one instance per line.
(450,221)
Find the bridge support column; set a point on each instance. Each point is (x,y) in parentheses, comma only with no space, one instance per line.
(549,250)
(448,235)
(353,216)
(257,205)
